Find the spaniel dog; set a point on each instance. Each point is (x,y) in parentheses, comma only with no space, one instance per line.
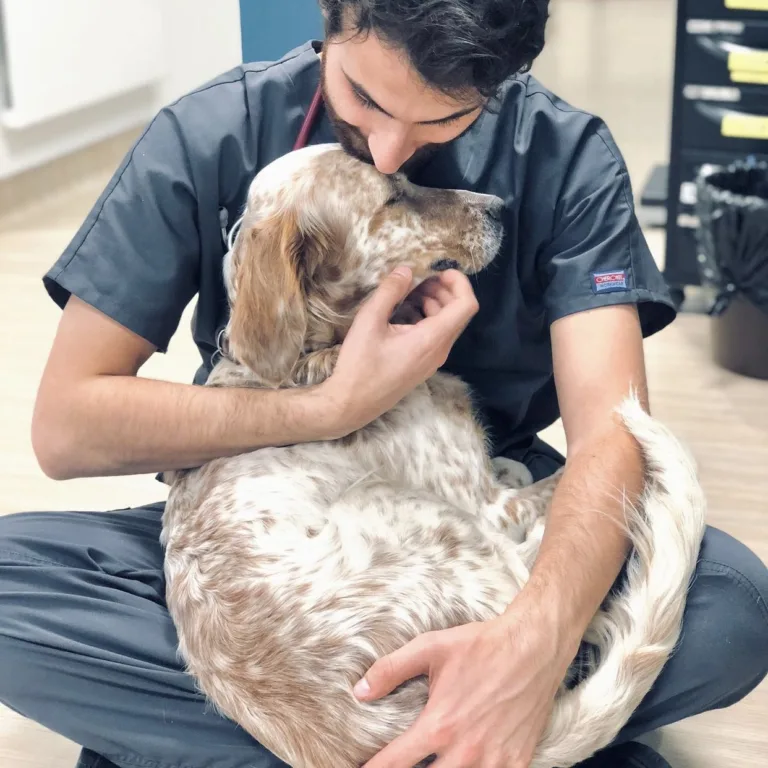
(291,570)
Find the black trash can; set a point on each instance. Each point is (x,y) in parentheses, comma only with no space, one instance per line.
(732,206)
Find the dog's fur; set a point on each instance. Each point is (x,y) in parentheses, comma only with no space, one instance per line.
(291,570)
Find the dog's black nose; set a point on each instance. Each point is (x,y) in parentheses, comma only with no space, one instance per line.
(442,265)
(496,209)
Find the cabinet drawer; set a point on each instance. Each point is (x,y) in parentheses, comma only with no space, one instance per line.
(726,52)
(724,119)
(727,9)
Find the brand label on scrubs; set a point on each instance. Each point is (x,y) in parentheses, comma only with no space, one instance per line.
(608,282)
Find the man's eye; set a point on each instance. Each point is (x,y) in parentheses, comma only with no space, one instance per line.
(363,101)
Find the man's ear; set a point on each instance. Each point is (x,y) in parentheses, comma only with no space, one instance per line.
(268,324)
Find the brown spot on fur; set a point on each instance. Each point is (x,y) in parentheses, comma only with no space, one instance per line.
(330,273)
(381,558)
(448,538)
(347,304)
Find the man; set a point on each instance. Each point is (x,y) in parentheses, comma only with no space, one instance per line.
(432,87)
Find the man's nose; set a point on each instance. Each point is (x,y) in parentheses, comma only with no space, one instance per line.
(390,148)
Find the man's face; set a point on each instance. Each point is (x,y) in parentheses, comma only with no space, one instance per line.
(381,110)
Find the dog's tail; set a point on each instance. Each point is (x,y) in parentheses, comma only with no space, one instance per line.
(641,625)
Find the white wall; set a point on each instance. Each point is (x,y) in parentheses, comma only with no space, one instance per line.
(201,40)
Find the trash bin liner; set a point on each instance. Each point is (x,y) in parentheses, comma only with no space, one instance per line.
(732,236)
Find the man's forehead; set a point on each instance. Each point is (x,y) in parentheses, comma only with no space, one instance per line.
(384,75)
(457,110)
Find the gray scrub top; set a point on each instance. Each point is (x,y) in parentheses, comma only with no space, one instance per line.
(154,238)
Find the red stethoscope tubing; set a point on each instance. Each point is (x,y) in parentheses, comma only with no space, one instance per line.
(309,120)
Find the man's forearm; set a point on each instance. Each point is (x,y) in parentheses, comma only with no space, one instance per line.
(586,542)
(119,425)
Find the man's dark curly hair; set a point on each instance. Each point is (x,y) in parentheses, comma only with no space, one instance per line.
(455,45)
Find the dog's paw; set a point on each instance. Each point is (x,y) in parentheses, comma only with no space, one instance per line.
(511,474)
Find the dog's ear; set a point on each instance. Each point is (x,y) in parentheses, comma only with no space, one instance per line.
(268,324)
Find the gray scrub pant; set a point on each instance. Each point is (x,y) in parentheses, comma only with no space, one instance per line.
(87,647)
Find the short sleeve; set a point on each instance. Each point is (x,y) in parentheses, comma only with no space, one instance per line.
(598,255)
(136,257)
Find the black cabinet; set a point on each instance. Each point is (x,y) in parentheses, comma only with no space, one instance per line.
(720,109)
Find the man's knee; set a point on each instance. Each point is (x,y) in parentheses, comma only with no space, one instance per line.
(728,610)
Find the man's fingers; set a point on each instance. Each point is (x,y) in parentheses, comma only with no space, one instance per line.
(435,289)
(452,318)
(431,307)
(407,314)
(405,751)
(456,282)
(450,301)
(391,291)
(391,671)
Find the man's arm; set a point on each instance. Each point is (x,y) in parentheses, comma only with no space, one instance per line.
(94,416)
(598,359)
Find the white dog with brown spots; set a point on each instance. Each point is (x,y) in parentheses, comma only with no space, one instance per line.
(291,570)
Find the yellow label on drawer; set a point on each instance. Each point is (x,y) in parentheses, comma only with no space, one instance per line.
(744,126)
(747,5)
(754,61)
(748,76)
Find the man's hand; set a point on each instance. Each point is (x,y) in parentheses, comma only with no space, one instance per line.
(380,362)
(492,688)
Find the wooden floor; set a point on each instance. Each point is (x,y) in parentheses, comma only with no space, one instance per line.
(591,61)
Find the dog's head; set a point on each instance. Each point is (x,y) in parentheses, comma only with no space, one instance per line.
(320,231)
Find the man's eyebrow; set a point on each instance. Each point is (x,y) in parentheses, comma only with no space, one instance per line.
(365,95)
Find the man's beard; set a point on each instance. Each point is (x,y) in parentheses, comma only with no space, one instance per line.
(354,143)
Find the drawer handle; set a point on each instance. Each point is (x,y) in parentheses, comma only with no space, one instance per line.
(745,65)
(741,59)
(747,5)
(737,125)
(738,56)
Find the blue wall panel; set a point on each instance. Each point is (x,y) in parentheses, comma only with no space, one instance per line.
(271,28)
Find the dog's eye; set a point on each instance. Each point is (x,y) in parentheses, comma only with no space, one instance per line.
(395,197)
